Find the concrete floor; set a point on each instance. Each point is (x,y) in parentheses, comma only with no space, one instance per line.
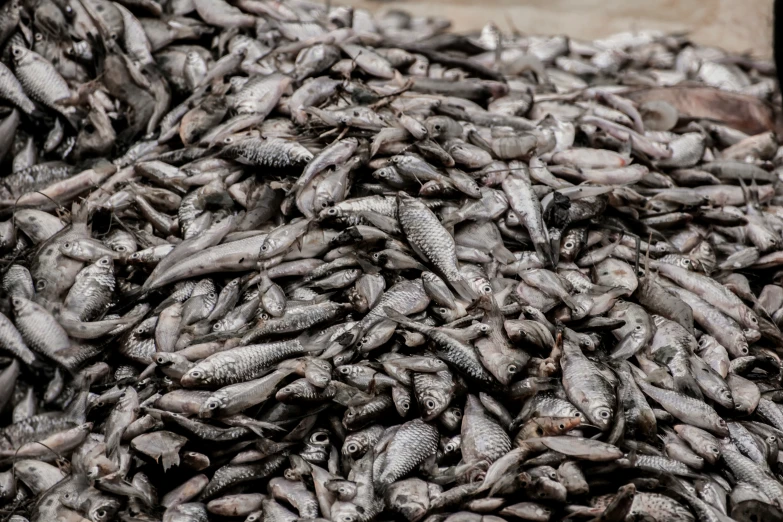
(736,25)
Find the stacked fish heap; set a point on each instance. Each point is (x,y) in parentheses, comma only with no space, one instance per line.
(287,262)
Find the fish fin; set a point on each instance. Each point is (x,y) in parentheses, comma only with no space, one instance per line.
(305,339)
(170,458)
(453,219)
(323,297)
(503,254)
(570,303)
(350,337)
(687,384)
(464,290)
(603,289)
(544,252)
(625,348)
(396,316)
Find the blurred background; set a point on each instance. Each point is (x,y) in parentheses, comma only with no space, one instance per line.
(736,25)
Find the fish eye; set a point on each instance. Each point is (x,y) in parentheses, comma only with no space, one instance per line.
(104,262)
(135,255)
(120,248)
(638,327)
(332,211)
(67,244)
(577,414)
(686,262)
(40,284)
(512,368)
(437,126)
(442,310)
(217,326)
(228,140)
(212,295)
(430,404)
(38,37)
(159,359)
(561,426)
(264,247)
(487,289)
(100,513)
(350,413)
(352,448)
(212,405)
(569,244)
(195,373)
(320,437)
(123,395)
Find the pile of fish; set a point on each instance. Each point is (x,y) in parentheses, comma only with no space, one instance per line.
(284,261)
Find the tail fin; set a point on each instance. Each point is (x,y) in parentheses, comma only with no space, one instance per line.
(687,384)
(464,289)
(452,219)
(503,254)
(544,251)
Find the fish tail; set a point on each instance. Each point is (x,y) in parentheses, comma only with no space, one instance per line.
(350,337)
(462,287)
(687,384)
(452,219)
(544,251)
(503,254)
(305,339)
(554,248)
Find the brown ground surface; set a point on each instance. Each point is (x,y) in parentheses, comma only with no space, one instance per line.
(737,25)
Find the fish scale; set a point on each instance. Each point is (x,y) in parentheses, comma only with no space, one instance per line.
(411,445)
(91,293)
(483,439)
(432,242)
(232,475)
(269,152)
(319,258)
(242,364)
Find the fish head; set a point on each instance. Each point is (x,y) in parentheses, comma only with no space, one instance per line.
(210,407)
(195,376)
(20,55)
(601,416)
